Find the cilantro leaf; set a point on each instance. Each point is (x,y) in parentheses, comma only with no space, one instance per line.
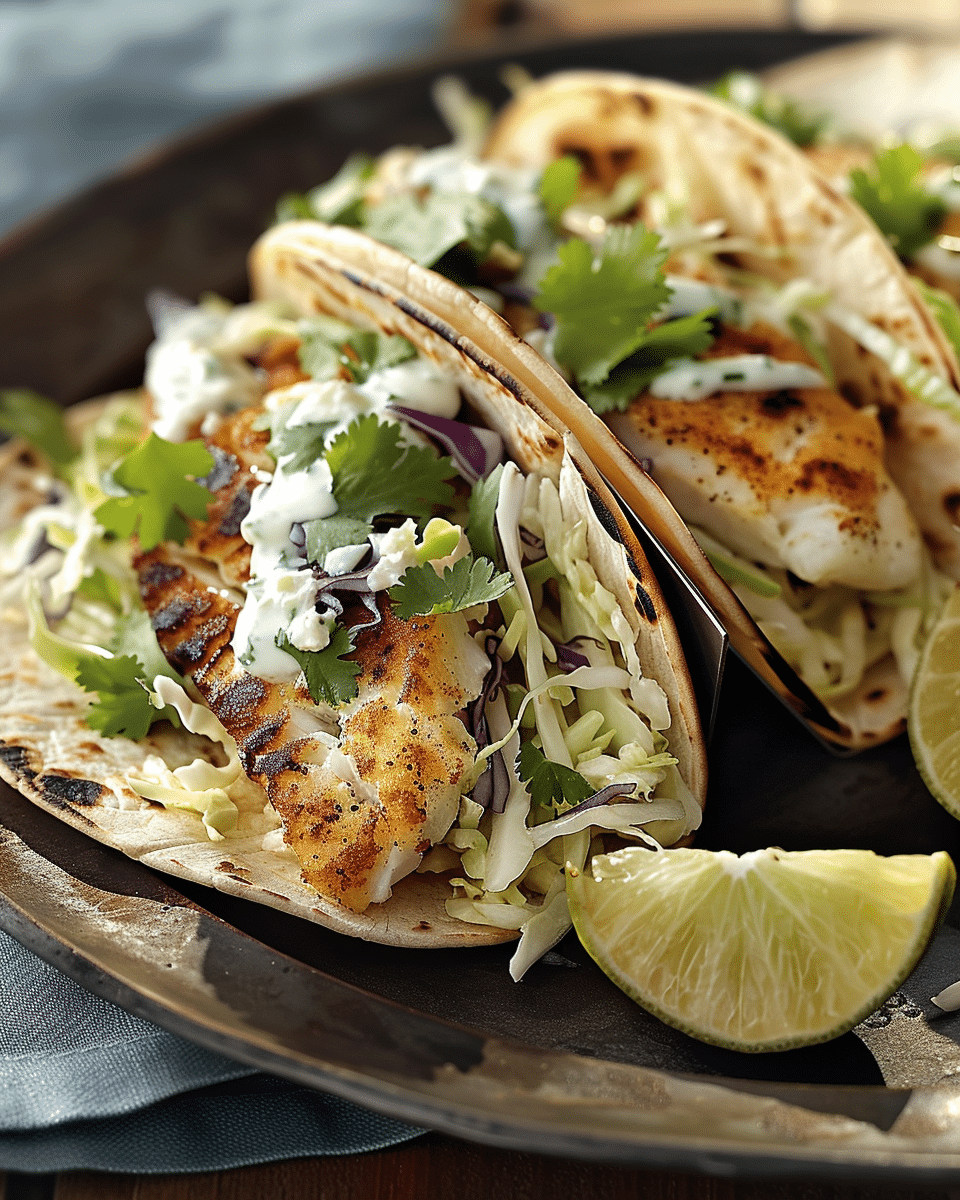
(375,475)
(328,348)
(100,586)
(123,705)
(330,533)
(800,125)
(684,337)
(339,201)
(331,678)
(482,525)
(423,593)
(366,353)
(320,351)
(551,785)
(604,304)
(427,230)
(294,206)
(603,301)
(894,197)
(134,635)
(306,443)
(29,415)
(160,496)
(558,186)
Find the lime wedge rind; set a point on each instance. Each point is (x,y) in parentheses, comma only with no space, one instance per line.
(933,719)
(771,972)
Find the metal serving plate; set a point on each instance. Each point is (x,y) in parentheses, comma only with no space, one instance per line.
(563,1062)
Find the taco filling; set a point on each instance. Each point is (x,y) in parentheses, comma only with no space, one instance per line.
(397,643)
(719,378)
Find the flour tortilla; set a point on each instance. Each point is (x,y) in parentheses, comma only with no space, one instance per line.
(719,163)
(49,753)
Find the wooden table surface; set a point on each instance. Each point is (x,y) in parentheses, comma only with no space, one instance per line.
(435,1167)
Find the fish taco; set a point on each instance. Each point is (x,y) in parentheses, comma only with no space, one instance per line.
(336,616)
(726,330)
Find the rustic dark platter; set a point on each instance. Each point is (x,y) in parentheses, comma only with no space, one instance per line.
(563,1062)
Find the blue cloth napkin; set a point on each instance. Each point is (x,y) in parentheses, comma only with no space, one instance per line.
(86,84)
(85,1085)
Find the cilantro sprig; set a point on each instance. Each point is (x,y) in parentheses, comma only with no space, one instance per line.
(683,337)
(893,196)
(340,201)
(375,474)
(604,303)
(160,491)
(300,445)
(431,230)
(329,349)
(123,703)
(421,592)
(482,523)
(551,785)
(558,186)
(800,125)
(331,678)
(27,414)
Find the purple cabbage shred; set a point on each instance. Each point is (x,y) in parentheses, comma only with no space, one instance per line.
(474,450)
(493,786)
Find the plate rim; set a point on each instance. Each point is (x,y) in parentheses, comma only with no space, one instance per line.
(931,1167)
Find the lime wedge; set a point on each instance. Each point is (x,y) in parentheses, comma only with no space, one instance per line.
(766,951)
(934,717)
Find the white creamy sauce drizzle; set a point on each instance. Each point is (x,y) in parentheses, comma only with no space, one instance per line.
(693,379)
(189,383)
(196,371)
(689,296)
(514,189)
(282,596)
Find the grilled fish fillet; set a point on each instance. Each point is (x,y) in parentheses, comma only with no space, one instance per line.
(361,793)
(792,478)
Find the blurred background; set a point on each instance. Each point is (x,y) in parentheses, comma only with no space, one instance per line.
(86,85)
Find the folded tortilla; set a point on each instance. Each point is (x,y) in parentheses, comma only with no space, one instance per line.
(719,164)
(48,751)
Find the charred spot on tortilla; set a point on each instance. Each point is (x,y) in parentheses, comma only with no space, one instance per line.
(485,362)
(17,760)
(755,171)
(604,516)
(645,605)
(68,790)
(601,165)
(646,104)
